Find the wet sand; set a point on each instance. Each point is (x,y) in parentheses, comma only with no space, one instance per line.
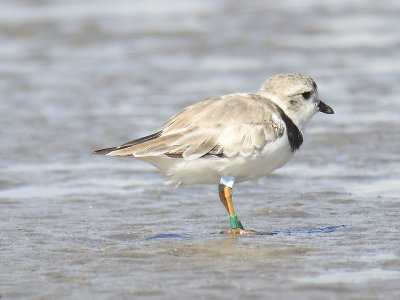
(78,76)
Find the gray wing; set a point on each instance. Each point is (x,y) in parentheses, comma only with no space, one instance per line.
(226,126)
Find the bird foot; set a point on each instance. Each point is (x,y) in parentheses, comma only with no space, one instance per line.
(239,231)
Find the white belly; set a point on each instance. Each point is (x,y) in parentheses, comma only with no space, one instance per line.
(208,170)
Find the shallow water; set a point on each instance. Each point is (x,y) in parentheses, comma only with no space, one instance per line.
(81,75)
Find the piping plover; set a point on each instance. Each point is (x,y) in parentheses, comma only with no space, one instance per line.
(231,138)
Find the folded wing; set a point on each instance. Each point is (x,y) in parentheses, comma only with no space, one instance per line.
(227,126)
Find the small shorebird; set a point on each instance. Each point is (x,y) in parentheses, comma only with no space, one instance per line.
(231,138)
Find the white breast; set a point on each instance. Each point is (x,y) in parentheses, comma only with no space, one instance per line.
(208,170)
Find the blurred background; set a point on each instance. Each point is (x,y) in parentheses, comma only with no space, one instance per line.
(76,76)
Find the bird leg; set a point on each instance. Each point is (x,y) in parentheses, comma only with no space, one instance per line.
(225,194)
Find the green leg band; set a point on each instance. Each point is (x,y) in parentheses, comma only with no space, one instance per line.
(235,223)
(240,225)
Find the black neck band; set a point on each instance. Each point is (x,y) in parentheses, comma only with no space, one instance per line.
(294,134)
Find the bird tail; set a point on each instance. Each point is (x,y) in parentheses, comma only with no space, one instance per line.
(129,144)
(105,151)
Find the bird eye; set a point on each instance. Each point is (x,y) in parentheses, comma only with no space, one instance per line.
(306,95)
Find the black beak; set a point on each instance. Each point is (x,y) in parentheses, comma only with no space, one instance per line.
(326,109)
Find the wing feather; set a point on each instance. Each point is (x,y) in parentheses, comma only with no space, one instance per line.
(231,125)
